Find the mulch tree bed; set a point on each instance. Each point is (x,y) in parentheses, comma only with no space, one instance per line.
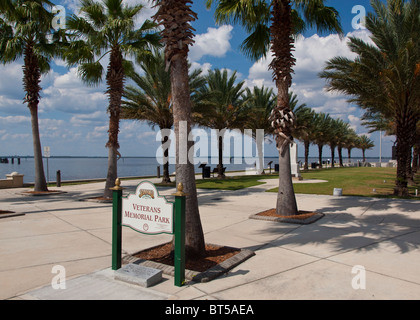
(100,199)
(217,261)
(303,217)
(214,256)
(42,193)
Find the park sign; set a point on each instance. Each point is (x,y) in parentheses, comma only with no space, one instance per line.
(146,211)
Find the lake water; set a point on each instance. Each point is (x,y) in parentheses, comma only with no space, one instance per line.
(96,168)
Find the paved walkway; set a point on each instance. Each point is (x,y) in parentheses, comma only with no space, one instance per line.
(292,261)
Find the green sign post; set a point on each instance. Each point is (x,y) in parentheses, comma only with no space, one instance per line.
(179,252)
(147,212)
(116,224)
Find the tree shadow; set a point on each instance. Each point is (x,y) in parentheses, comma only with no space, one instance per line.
(353,223)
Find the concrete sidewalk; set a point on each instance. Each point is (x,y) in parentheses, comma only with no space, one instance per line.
(313,261)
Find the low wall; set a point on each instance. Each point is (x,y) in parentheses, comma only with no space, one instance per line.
(13,180)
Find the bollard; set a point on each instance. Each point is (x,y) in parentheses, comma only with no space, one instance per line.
(179,250)
(158,171)
(58,178)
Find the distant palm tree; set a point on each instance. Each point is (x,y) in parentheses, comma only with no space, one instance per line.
(221,106)
(271,26)
(150,99)
(108,28)
(26,31)
(384,79)
(322,126)
(364,143)
(350,142)
(304,125)
(259,103)
(341,138)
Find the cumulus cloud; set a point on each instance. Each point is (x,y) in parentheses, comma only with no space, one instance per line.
(311,55)
(216,43)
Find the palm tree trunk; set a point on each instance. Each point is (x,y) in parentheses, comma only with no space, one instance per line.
(405,131)
(364,155)
(115,83)
(220,173)
(320,146)
(177,34)
(194,236)
(332,155)
(166,178)
(340,156)
(306,165)
(31,80)
(282,45)
(416,155)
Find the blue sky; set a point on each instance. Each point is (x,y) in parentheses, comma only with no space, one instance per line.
(73,119)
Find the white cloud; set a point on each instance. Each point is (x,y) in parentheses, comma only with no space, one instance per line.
(216,43)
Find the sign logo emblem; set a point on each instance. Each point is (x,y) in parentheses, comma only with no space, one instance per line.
(146,194)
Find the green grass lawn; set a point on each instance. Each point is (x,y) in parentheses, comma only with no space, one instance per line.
(229,183)
(234,183)
(354,182)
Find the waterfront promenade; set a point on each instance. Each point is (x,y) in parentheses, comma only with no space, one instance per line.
(315,261)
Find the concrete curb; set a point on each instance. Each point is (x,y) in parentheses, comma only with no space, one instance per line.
(309,220)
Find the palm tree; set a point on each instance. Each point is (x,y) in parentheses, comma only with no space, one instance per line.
(322,126)
(177,34)
(150,99)
(108,28)
(303,126)
(26,31)
(350,142)
(271,25)
(259,104)
(341,138)
(364,143)
(332,139)
(221,106)
(384,78)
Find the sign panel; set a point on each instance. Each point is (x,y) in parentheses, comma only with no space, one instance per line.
(146,211)
(47,152)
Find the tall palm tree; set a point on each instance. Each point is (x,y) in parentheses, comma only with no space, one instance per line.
(271,25)
(175,16)
(259,104)
(102,29)
(221,106)
(384,78)
(150,99)
(26,31)
(364,143)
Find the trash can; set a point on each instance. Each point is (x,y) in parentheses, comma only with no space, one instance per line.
(206,172)
(276,168)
